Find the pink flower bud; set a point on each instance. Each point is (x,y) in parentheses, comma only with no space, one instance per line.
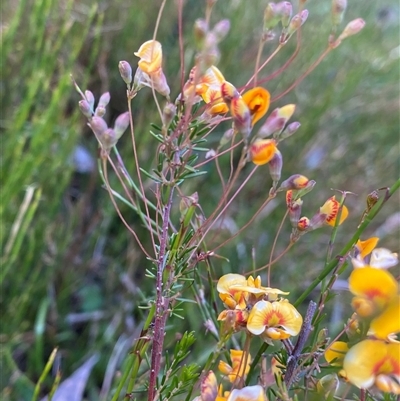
(275,166)
(221,29)
(338,10)
(294,212)
(98,125)
(290,130)
(108,139)
(200,32)
(284,9)
(125,70)
(296,22)
(352,28)
(121,124)
(271,17)
(104,99)
(90,98)
(85,108)
(272,124)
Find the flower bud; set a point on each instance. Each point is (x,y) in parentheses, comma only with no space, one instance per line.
(276,121)
(286,112)
(125,70)
(296,181)
(295,23)
(104,99)
(317,221)
(200,32)
(294,212)
(262,151)
(271,17)
(90,98)
(169,113)
(84,107)
(241,116)
(352,28)
(108,139)
(303,224)
(290,130)
(275,166)
(98,125)
(100,111)
(284,9)
(121,124)
(227,137)
(221,29)
(228,92)
(338,10)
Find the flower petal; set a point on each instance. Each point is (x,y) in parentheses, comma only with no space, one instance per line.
(388,322)
(249,393)
(257,100)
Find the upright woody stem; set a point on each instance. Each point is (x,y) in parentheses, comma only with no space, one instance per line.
(161,304)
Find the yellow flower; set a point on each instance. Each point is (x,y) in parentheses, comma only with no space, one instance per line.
(150,71)
(388,322)
(374,362)
(331,209)
(240,365)
(336,352)
(257,100)
(249,393)
(374,289)
(230,294)
(262,151)
(274,320)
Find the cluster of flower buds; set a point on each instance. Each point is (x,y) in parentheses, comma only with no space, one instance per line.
(107,137)
(207,41)
(273,14)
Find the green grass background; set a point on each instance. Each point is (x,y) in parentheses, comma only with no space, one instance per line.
(65,253)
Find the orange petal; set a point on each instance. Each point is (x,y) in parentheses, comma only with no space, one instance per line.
(262,151)
(366,247)
(257,100)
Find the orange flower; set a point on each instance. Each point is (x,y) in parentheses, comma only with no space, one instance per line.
(274,320)
(331,209)
(366,247)
(257,100)
(262,151)
(240,365)
(374,362)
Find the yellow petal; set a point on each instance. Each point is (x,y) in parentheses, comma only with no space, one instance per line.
(280,315)
(375,285)
(335,354)
(262,151)
(366,247)
(224,368)
(331,209)
(287,111)
(388,322)
(228,280)
(257,100)
(150,54)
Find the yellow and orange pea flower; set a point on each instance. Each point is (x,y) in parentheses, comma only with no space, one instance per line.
(261,151)
(209,391)
(240,365)
(331,209)
(373,362)
(257,100)
(274,320)
(149,72)
(368,255)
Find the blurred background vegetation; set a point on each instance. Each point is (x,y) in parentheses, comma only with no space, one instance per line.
(71,275)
